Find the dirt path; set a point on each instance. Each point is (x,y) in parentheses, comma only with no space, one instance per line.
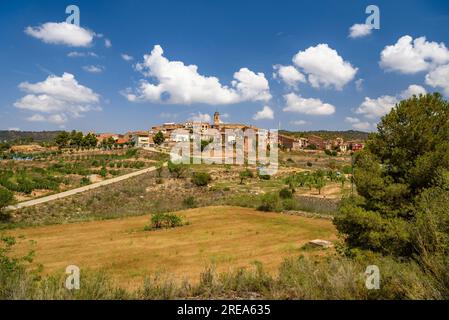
(68,193)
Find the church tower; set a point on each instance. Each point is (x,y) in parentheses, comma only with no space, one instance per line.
(216,119)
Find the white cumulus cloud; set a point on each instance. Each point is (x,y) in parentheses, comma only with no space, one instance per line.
(177,83)
(410,56)
(57,98)
(378,107)
(62,33)
(358,124)
(324,67)
(289,75)
(107,43)
(54,118)
(265,113)
(310,106)
(359,30)
(439,78)
(412,90)
(201,117)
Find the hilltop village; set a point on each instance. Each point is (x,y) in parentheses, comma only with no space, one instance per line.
(177,132)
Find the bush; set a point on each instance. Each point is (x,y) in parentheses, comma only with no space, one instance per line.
(309,164)
(347,169)
(6,198)
(285,193)
(190,202)
(164,221)
(264,176)
(103,172)
(85,181)
(270,202)
(245,174)
(290,204)
(201,179)
(177,170)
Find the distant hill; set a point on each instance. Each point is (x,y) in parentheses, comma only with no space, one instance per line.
(346,135)
(29,136)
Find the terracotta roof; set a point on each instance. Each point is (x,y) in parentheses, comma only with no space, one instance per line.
(122,140)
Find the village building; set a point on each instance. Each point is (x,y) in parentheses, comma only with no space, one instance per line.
(142,139)
(317,141)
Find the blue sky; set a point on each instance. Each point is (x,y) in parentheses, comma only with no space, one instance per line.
(221,38)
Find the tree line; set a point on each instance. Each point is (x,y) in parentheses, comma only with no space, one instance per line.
(76,139)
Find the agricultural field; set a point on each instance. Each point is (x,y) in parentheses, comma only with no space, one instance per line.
(233,216)
(317,191)
(222,237)
(34,175)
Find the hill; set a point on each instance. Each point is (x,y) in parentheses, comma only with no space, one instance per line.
(27,136)
(328,135)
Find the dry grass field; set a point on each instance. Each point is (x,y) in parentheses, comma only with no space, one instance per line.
(222,236)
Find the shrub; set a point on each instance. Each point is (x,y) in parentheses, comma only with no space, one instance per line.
(309,164)
(270,202)
(190,202)
(103,172)
(201,179)
(289,204)
(285,193)
(85,181)
(245,174)
(264,176)
(164,221)
(347,169)
(177,170)
(6,198)
(159,169)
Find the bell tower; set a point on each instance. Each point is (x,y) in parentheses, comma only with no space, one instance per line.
(216,119)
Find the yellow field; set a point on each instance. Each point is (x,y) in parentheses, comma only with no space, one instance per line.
(226,237)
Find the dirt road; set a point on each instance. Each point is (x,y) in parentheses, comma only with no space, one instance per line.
(68,193)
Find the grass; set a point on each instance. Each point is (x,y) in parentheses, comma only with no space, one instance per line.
(226,237)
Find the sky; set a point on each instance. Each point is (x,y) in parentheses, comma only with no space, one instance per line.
(296,65)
